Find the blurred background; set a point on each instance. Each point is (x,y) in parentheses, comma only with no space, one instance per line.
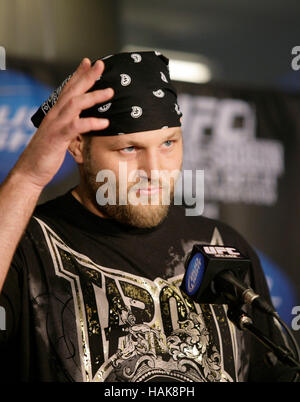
(239,91)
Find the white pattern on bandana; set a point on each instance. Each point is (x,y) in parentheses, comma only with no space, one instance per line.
(104,108)
(136,57)
(107,57)
(177,109)
(159,93)
(125,80)
(163,77)
(137,111)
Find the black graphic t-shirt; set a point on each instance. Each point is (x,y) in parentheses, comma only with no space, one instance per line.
(89,299)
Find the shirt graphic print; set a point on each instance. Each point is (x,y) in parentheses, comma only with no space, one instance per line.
(111,325)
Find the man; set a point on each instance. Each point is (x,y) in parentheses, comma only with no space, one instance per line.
(91,290)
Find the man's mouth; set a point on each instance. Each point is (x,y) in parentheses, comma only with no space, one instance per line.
(149,190)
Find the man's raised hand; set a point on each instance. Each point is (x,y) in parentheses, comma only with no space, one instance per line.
(46,150)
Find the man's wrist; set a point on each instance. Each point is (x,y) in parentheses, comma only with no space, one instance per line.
(24,183)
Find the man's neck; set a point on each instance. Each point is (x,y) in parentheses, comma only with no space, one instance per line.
(83,197)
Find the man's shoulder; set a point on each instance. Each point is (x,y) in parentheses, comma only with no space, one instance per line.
(179,212)
(210,230)
(47,213)
(51,205)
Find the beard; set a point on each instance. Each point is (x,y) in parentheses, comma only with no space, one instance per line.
(140,216)
(148,212)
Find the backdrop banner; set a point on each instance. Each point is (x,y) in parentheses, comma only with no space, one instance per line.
(247,142)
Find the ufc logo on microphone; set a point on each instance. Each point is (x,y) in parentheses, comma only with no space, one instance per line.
(2,58)
(221,251)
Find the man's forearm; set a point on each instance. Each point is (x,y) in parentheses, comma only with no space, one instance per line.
(17,202)
(45,153)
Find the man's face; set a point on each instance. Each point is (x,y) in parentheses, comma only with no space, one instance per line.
(154,156)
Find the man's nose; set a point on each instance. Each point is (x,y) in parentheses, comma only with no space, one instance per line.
(150,162)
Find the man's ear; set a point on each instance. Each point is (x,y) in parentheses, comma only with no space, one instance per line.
(76,149)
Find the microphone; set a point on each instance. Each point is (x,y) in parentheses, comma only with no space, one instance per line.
(215,275)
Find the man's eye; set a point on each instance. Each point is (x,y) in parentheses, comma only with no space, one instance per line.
(128,150)
(168,143)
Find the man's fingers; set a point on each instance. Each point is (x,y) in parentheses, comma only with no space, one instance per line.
(73,99)
(84,125)
(75,105)
(65,94)
(85,79)
(92,124)
(83,67)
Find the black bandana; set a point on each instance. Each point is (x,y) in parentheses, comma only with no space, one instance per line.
(144,99)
